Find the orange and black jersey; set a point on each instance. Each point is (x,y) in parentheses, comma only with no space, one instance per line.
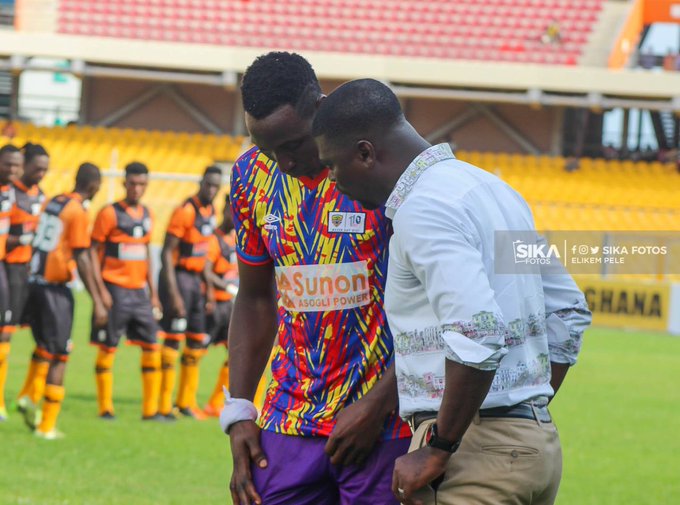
(6,202)
(222,254)
(125,233)
(193,224)
(63,227)
(28,203)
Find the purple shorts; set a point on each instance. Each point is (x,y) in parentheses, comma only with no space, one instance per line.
(299,472)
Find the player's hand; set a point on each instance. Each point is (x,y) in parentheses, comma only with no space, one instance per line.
(156,308)
(356,431)
(244,438)
(101,315)
(209,307)
(415,470)
(107,301)
(178,307)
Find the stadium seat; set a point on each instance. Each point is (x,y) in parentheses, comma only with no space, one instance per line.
(470,30)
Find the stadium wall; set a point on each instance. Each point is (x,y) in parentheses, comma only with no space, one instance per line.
(629,304)
(103,97)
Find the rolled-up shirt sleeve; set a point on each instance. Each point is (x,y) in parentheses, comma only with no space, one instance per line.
(439,246)
(567,317)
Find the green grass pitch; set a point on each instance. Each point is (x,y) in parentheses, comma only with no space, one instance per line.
(618,415)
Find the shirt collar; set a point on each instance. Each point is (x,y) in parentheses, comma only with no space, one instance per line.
(430,156)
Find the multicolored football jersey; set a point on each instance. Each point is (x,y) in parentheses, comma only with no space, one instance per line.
(330,257)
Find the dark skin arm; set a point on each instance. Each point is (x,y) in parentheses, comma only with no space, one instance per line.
(209,287)
(558,373)
(170,245)
(217,281)
(251,336)
(85,271)
(150,281)
(359,425)
(464,392)
(95,254)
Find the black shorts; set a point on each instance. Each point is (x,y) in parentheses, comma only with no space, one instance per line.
(49,310)
(5,314)
(131,315)
(189,286)
(17,277)
(218,323)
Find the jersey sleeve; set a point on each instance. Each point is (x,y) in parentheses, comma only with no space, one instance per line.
(250,246)
(78,231)
(180,220)
(103,224)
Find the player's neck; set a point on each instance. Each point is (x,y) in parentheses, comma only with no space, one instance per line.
(25,183)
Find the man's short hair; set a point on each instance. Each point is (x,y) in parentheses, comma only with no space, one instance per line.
(212,169)
(357,109)
(276,79)
(32,150)
(9,149)
(136,168)
(87,174)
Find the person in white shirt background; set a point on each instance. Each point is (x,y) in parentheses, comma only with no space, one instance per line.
(479,352)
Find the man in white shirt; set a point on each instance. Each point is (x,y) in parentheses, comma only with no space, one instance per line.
(480,351)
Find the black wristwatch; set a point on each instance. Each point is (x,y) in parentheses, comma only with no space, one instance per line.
(433,440)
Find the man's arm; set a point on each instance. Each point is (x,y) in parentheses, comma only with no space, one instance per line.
(567,317)
(252,331)
(85,271)
(95,252)
(358,426)
(439,247)
(151,283)
(170,245)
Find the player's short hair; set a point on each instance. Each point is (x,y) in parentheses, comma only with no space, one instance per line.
(32,150)
(357,109)
(9,149)
(212,169)
(136,168)
(276,79)
(87,174)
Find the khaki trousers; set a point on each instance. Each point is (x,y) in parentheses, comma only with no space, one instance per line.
(501,461)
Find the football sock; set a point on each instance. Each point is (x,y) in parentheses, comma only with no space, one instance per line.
(168,360)
(104,376)
(189,376)
(54,396)
(217,397)
(4,355)
(151,382)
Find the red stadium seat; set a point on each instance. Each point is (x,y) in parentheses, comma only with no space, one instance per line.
(501,30)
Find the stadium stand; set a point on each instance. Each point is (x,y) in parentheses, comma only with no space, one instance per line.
(496,30)
(600,195)
(175,154)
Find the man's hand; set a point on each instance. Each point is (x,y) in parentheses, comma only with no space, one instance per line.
(107,301)
(101,315)
(178,307)
(416,470)
(156,307)
(244,437)
(356,431)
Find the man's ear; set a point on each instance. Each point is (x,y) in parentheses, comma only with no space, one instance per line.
(366,152)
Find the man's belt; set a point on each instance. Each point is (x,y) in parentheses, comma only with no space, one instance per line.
(519,411)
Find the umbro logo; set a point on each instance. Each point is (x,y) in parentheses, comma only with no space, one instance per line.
(271,222)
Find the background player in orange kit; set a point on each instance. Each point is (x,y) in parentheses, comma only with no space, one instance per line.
(180,289)
(10,163)
(122,266)
(61,244)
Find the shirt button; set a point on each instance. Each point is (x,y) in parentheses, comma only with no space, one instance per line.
(514,454)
